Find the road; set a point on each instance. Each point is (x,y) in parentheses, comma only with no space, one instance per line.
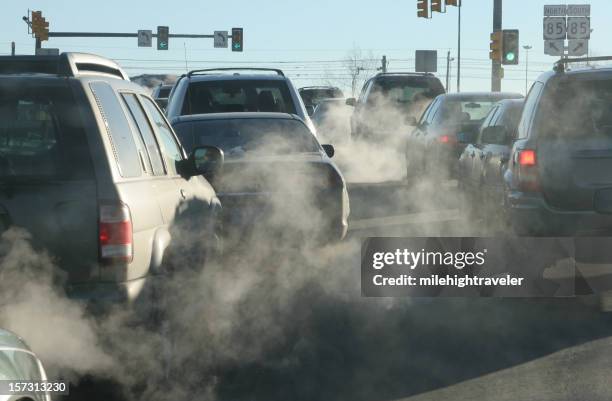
(324,341)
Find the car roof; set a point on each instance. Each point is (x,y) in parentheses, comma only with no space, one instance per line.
(235,77)
(237,116)
(481,95)
(11,340)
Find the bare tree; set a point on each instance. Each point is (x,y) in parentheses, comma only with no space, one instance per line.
(359,68)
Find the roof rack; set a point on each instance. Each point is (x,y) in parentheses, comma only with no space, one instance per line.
(65,64)
(319,87)
(404,73)
(209,70)
(560,66)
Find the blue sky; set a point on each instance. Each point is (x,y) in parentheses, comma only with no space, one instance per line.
(308,39)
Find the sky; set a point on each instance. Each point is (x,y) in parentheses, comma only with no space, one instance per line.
(309,40)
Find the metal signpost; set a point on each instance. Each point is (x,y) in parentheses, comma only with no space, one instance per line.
(571,22)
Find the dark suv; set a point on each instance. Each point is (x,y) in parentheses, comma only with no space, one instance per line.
(559,178)
(90,167)
(388,102)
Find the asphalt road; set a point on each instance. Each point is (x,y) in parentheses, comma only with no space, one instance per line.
(329,343)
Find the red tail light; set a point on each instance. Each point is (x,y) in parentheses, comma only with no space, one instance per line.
(447,139)
(527,172)
(115,233)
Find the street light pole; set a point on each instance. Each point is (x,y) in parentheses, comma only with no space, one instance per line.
(459,47)
(527,48)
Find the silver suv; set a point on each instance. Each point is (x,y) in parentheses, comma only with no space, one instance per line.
(236,90)
(90,167)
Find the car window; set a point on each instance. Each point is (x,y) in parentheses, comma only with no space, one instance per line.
(238,96)
(488,121)
(118,129)
(170,148)
(39,132)
(402,90)
(454,111)
(362,94)
(433,110)
(140,121)
(578,108)
(237,137)
(529,108)
(425,117)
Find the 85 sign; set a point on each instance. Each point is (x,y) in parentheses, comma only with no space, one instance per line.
(578,28)
(554,28)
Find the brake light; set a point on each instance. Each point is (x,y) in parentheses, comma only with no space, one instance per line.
(115,233)
(447,139)
(527,157)
(527,171)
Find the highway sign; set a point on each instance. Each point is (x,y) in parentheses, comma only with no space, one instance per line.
(579,10)
(578,27)
(220,39)
(145,38)
(559,10)
(554,47)
(554,28)
(578,47)
(426,61)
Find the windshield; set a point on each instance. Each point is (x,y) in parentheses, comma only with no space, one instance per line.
(238,137)
(224,96)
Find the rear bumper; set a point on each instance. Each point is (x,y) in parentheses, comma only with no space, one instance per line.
(105,294)
(530,214)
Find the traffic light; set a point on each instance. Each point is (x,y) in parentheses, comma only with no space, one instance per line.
(163,33)
(237,38)
(40,27)
(510,46)
(422,9)
(455,3)
(436,6)
(496,46)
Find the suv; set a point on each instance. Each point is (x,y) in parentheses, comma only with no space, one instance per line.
(559,175)
(220,91)
(390,101)
(90,167)
(160,94)
(312,95)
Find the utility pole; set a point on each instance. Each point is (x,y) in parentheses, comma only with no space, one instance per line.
(12,48)
(496,68)
(527,48)
(459,46)
(448,63)
(384,64)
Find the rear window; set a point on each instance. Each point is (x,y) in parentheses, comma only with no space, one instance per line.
(164,92)
(577,109)
(314,96)
(41,131)
(238,96)
(237,137)
(405,90)
(464,111)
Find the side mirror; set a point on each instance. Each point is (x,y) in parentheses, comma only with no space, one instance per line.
(204,160)
(329,150)
(496,135)
(351,101)
(310,109)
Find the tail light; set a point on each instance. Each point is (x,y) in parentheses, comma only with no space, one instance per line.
(115,233)
(450,139)
(527,170)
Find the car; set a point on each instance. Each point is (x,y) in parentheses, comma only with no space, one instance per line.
(92,169)
(160,95)
(232,90)
(312,95)
(275,171)
(332,119)
(19,364)
(559,177)
(448,124)
(389,101)
(482,163)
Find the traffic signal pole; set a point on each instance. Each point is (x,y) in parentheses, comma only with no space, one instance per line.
(459,46)
(496,66)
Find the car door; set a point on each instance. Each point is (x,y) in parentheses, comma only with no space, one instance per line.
(481,152)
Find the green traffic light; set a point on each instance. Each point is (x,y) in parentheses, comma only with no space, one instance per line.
(510,56)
